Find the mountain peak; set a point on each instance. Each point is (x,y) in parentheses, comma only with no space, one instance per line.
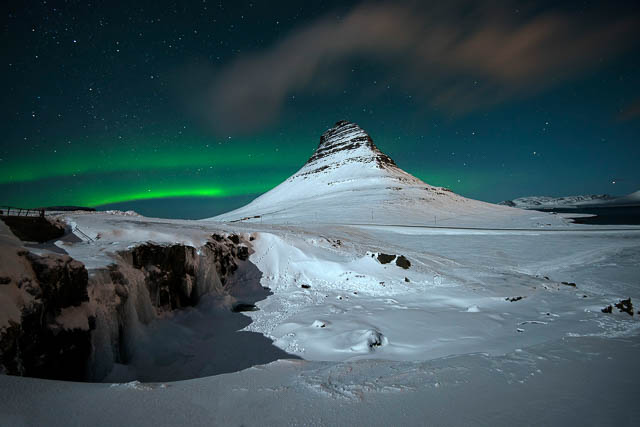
(349,181)
(348,142)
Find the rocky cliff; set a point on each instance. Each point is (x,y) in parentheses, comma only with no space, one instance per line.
(38,339)
(60,323)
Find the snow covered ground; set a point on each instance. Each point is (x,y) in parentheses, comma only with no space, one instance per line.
(389,302)
(586,381)
(372,346)
(456,296)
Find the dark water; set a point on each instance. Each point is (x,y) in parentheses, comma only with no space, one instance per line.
(615,215)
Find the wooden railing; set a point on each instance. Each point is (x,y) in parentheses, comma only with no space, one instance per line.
(83,234)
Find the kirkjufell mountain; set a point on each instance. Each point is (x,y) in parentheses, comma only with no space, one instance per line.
(348,180)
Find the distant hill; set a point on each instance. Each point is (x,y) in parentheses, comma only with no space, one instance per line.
(68,208)
(593,200)
(533,202)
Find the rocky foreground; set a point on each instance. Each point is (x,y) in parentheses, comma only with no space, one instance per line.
(52,307)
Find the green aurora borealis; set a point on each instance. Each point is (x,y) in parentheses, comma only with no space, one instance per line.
(86,177)
(115,173)
(156,106)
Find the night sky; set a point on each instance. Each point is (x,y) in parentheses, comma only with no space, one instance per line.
(192,108)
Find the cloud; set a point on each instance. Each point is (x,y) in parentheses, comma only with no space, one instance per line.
(631,112)
(458,57)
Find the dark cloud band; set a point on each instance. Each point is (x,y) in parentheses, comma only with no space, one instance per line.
(440,50)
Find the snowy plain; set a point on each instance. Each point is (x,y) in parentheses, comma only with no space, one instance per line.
(361,345)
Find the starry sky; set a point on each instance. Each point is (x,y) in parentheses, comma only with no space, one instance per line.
(191,108)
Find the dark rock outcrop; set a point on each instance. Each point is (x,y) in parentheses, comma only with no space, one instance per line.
(60,306)
(403,262)
(34,228)
(171,271)
(62,280)
(625,306)
(38,345)
(385,258)
(345,136)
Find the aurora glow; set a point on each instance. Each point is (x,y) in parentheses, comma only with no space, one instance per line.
(146,156)
(105,189)
(122,105)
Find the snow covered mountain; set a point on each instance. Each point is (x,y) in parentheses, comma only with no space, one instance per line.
(349,180)
(548,202)
(593,200)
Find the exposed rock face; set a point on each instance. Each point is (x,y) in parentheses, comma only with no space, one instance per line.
(42,342)
(347,142)
(63,280)
(171,273)
(150,280)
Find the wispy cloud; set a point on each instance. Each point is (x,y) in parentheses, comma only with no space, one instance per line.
(630,112)
(459,57)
